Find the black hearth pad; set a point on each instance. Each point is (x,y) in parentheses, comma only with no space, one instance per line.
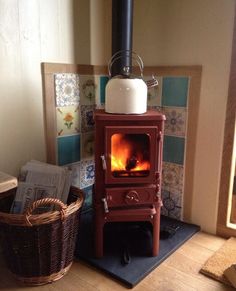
(127,247)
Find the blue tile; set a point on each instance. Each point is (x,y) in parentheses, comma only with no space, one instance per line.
(68,149)
(87,173)
(173,149)
(175,91)
(103,82)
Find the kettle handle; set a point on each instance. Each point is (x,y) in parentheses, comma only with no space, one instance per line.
(125,53)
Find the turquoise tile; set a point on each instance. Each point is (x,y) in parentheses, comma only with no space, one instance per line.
(175,91)
(173,149)
(103,82)
(68,149)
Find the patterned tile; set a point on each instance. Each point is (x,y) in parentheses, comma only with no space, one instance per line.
(103,82)
(88,193)
(87,145)
(75,168)
(87,120)
(87,169)
(172,177)
(155,108)
(67,89)
(173,149)
(164,211)
(154,94)
(68,149)
(175,91)
(87,90)
(171,205)
(68,121)
(175,121)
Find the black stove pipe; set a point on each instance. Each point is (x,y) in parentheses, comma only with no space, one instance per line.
(122,34)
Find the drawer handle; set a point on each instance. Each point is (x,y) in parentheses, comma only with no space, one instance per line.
(132,197)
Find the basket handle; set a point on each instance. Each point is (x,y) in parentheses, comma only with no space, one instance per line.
(45,201)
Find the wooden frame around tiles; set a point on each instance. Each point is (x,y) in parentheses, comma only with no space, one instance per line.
(193,72)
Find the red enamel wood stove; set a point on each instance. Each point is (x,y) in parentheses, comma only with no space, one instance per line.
(128,163)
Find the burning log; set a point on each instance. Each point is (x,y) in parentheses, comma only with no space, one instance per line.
(131,163)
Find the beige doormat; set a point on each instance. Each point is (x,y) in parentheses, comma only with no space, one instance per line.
(220,261)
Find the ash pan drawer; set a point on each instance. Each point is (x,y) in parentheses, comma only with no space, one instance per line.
(130,196)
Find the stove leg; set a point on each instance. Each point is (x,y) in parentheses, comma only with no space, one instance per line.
(155,235)
(99,238)
(99,243)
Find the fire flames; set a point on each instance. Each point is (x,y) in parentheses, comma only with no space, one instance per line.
(126,155)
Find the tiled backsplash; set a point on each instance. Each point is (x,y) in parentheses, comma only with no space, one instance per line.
(76,98)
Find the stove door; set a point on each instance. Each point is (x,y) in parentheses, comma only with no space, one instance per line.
(131,154)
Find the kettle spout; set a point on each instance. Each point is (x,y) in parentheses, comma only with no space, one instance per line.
(152,83)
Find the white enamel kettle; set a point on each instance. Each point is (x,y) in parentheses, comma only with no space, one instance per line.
(126,93)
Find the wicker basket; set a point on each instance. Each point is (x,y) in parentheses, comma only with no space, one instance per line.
(39,248)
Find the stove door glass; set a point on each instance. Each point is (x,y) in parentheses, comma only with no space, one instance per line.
(130,155)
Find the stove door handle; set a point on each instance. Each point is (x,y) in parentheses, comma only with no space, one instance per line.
(104,200)
(104,163)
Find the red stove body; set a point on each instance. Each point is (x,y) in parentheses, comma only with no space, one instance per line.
(128,164)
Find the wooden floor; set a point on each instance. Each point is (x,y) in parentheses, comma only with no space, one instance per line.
(178,272)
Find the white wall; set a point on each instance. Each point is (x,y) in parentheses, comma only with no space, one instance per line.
(30,32)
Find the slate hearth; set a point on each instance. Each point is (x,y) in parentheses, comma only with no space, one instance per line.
(138,241)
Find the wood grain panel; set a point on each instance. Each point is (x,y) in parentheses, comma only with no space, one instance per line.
(225,196)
